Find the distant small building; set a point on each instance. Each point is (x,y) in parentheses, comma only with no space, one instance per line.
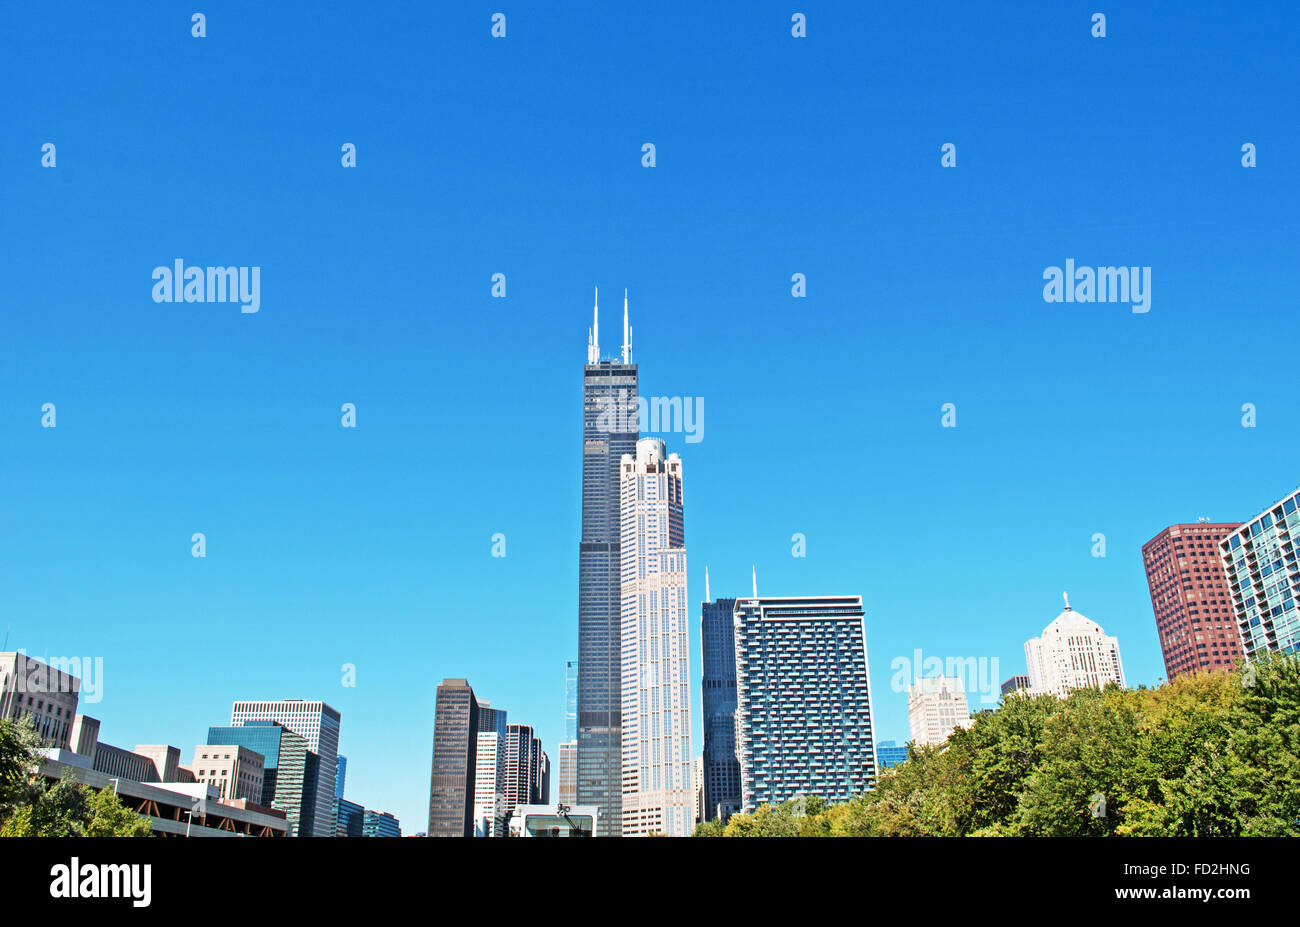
(936,706)
(380,824)
(889,754)
(1015,684)
(121,763)
(236,770)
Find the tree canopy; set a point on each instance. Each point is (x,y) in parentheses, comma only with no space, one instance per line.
(30,807)
(1210,754)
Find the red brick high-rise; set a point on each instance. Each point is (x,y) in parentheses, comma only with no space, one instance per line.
(1190,596)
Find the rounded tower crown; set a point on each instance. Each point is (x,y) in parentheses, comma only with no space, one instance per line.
(651,450)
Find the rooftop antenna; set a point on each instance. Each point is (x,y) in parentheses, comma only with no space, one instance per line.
(627,333)
(593,333)
(706,587)
(755,577)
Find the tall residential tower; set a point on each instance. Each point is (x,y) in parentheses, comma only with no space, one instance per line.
(490,772)
(1191,599)
(803,699)
(1263,575)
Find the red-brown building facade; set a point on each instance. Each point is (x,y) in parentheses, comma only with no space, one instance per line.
(1190,596)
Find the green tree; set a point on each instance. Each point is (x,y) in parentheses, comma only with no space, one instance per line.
(765,822)
(110,818)
(712,828)
(1209,754)
(62,810)
(1264,747)
(19,760)
(1087,768)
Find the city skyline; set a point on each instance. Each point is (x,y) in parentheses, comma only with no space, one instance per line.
(372,547)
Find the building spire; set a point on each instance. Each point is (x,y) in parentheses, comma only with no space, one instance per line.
(706,585)
(1066,596)
(627,333)
(593,333)
(755,577)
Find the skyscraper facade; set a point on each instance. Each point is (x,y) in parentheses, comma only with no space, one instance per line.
(1259,561)
(290,771)
(609,430)
(523,766)
(349,818)
(379,824)
(236,771)
(803,699)
(318,724)
(568,777)
(936,706)
(43,694)
(455,756)
(721,770)
(567,757)
(542,796)
(1072,653)
(571,700)
(658,786)
(490,770)
(1191,598)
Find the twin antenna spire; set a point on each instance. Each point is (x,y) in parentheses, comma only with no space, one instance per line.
(593,333)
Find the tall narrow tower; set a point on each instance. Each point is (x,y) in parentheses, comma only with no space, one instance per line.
(609,430)
(658,764)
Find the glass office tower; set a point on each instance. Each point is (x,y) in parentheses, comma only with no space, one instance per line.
(319,724)
(721,768)
(291,774)
(609,430)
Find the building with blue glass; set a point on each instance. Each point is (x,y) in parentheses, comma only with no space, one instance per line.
(319,725)
(1259,562)
(803,699)
(890,754)
(380,824)
(290,776)
(721,769)
(571,700)
(349,818)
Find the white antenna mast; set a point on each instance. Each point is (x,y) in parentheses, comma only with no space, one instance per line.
(627,333)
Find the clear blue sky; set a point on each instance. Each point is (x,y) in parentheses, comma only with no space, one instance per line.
(523,156)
